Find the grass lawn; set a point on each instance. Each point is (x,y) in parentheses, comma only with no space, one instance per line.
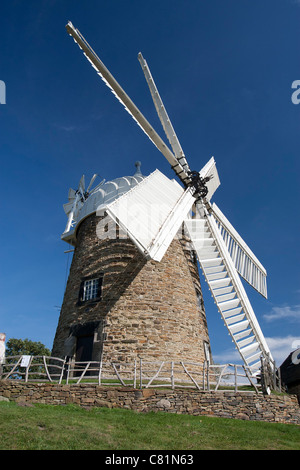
(48,427)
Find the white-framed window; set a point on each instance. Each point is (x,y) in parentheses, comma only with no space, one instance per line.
(90,289)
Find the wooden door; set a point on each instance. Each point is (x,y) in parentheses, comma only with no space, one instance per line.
(84,351)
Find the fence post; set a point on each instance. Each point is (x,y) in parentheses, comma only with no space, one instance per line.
(68,372)
(279,389)
(100,371)
(172,375)
(275,377)
(235,378)
(134,375)
(46,369)
(207,377)
(27,369)
(141,385)
(62,370)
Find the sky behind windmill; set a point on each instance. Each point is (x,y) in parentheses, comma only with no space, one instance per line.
(224,69)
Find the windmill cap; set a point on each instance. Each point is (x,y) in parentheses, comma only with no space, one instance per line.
(105,194)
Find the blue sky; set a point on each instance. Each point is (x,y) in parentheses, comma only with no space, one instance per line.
(224,70)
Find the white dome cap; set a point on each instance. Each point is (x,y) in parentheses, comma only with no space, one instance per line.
(105,194)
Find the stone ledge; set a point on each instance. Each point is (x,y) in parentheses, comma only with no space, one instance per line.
(238,405)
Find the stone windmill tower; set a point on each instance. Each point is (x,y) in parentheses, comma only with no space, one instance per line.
(134,287)
(117,304)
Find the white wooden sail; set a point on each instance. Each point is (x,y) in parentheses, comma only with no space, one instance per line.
(227,289)
(152,212)
(130,107)
(244,260)
(163,116)
(210,170)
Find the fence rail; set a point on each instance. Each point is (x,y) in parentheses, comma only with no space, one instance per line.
(138,374)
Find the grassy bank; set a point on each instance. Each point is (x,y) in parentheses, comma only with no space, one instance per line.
(45,427)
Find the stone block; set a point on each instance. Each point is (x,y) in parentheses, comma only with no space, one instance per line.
(3,398)
(163,403)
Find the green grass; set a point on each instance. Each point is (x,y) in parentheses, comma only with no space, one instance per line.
(48,427)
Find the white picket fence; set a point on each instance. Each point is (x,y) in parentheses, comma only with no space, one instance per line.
(138,374)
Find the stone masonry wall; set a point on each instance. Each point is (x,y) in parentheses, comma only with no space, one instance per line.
(226,404)
(149,309)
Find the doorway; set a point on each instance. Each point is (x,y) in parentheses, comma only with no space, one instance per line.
(84,352)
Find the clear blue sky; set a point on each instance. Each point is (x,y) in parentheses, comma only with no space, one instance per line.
(224,70)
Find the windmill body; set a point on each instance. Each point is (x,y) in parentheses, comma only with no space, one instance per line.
(152,212)
(120,305)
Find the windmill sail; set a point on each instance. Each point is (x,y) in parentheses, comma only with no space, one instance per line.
(227,290)
(210,170)
(152,212)
(91,182)
(244,260)
(75,202)
(163,116)
(120,94)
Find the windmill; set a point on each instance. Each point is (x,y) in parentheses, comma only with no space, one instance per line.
(77,198)
(223,255)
